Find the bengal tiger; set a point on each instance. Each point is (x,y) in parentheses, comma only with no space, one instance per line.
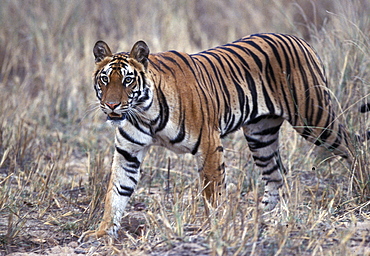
(188,102)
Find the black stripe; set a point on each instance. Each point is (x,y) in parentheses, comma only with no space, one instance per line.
(159,67)
(306,86)
(219,149)
(268,69)
(269,131)
(248,52)
(307,131)
(303,72)
(138,126)
(214,85)
(133,179)
(256,144)
(165,65)
(182,56)
(163,109)
(217,73)
(128,137)
(266,96)
(241,94)
(134,162)
(255,57)
(328,129)
(272,44)
(264,158)
(261,165)
(232,66)
(120,58)
(273,180)
(133,171)
(206,81)
(229,49)
(286,48)
(128,190)
(196,146)
(181,134)
(254,96)
(271,170)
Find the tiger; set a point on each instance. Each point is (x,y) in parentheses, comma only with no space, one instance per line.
(188,102)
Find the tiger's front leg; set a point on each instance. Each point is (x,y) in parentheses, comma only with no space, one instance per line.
(125,174)
(212,172)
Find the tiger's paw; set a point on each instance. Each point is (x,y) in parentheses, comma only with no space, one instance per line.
(93,242)
(92,235)
(269,201)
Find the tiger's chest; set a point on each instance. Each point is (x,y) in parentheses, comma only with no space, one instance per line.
(175,138)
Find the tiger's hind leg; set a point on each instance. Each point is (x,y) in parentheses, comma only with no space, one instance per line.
(263,140)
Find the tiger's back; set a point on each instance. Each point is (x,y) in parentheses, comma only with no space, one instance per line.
(187,103)
(264,75)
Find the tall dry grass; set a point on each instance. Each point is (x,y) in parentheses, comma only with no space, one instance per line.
(55,150)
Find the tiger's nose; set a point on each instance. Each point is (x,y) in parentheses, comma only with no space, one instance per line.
(112,105)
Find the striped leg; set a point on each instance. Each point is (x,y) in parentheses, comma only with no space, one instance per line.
(124,178)
(212,171)
(263,140)
(125,175)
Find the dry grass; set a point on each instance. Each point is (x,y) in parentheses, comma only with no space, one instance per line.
(55,150)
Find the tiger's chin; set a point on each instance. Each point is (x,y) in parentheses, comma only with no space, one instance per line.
(115,119)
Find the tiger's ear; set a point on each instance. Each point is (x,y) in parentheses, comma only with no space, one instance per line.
(101,50)
(140,52)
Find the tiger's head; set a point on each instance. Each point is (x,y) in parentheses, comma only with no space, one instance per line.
(120,81)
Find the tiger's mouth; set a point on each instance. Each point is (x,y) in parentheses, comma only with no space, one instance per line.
(115,117)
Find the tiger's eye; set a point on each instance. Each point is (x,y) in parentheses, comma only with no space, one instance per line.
(104,79)
(128,80)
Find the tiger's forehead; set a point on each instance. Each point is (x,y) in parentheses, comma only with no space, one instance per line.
(118,62)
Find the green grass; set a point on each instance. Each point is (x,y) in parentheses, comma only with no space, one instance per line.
(56,150)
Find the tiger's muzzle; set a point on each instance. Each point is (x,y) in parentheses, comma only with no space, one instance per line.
(114,111)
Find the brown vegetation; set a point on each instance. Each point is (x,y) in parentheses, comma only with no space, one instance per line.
(55,149)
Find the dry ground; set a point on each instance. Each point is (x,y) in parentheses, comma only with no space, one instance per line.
(55,149)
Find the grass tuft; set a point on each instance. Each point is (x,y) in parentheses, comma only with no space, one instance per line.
(55,149)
